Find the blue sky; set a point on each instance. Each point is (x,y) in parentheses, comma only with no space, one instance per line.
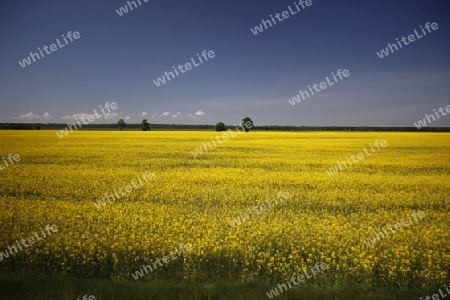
(117,59)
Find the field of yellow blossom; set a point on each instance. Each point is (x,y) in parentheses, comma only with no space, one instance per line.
(198,200)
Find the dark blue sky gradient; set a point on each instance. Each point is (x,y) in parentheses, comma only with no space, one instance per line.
(118,57)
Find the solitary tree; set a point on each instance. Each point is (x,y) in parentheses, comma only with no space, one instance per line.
(145,125)
(220,127)
(247,123)
(121,124)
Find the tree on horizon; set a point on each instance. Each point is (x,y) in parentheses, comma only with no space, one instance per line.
(247,123)
(121,124)
(220,127)
(145,125)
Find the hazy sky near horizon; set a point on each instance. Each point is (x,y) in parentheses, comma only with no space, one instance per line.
(117,58)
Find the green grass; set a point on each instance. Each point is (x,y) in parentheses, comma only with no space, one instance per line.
(45,288)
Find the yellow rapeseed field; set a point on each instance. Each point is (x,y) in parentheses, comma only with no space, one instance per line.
(194,200)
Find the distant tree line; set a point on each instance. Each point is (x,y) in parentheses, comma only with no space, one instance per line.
(349,128)
(138,126)
(246,124)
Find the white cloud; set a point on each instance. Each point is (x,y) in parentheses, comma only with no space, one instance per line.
(166,114)
(127,118)
(110,116)
(72,117)
(199,113)
(47,116)
(143,114)
(29,116)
